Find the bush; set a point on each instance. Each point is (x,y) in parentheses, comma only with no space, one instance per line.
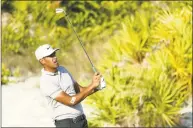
(5,73)
(147,69)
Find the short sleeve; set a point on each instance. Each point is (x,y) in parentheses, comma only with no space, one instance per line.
(50,89)
(73,80)
(64,70)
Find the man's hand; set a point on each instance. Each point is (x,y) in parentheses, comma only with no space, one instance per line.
(96,80)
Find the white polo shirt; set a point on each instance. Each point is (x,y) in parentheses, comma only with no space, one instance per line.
(51,84)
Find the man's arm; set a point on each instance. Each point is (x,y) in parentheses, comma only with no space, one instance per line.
(64,98)
(79,88)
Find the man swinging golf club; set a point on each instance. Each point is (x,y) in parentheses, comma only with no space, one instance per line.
(62,92)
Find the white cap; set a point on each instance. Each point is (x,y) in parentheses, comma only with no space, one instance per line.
(44,50)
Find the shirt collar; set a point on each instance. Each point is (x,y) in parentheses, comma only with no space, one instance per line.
(50,73)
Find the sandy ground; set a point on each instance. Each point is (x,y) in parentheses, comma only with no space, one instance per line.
(24,106)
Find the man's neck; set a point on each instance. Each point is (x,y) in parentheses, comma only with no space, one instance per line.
(53,70)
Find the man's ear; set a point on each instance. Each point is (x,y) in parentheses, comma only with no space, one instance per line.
(42,61)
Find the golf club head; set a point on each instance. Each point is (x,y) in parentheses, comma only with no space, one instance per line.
(59,10)
(102,84)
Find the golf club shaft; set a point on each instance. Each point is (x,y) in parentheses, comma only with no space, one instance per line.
(66,16)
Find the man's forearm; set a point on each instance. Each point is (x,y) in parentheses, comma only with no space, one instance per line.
(73,100)
(93,91)
(83,88)
(86,91)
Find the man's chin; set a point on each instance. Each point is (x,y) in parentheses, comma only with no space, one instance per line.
(57,65)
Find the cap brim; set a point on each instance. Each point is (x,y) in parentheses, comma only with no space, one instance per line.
(54,50)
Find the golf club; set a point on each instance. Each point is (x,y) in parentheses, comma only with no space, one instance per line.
(102,81)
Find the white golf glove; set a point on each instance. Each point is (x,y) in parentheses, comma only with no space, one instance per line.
(102,84)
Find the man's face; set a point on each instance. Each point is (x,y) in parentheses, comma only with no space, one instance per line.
(50,61)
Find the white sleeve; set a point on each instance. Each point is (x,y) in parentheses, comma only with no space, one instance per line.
(73,80)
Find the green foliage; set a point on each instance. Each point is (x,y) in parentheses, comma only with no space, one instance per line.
(24,31)
(147,70)
(115,103)
(5,73)
(162,99)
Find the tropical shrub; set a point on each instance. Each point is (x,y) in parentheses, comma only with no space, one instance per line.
(147,70)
